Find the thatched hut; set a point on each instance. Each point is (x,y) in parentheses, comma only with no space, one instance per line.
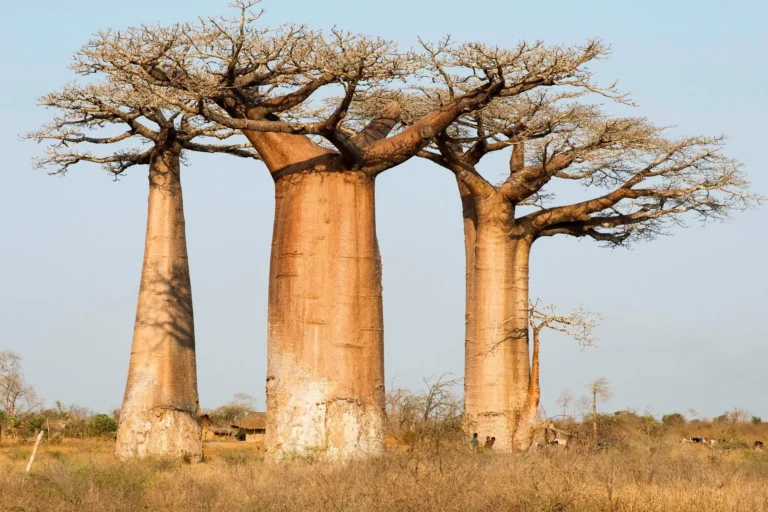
(254,425)
(211,432)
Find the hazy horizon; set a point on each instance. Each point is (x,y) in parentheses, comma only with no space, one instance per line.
(682,326)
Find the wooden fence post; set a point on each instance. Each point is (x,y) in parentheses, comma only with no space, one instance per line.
(34,451)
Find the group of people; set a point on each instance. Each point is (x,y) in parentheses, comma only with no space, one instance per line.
(488,442)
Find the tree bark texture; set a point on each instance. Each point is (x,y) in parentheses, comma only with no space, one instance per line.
(160,407)
(469,212)
(325,371)
(496,350)
(526,425)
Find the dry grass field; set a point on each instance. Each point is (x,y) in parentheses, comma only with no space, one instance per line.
(643,474)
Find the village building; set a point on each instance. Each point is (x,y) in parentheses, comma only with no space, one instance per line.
(254,425)
(211,432)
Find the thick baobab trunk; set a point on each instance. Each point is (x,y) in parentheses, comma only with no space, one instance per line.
(526,425)
(497,365)
(160,407)
(325,383)
(325,375)
(469,211)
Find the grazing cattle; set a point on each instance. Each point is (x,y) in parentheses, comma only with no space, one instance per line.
(558,442)
(758,445)
(697,440)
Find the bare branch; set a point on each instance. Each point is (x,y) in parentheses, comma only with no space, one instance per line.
(578,324)
(87,115)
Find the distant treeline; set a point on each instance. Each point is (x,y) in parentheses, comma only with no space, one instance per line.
(59,422)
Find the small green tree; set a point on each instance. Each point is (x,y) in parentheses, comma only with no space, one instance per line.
(35,424)
(673,419)
(103,425)
(8,423)
(241,406)
(757,420)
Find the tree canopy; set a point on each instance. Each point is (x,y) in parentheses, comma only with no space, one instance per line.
(290,79)
(111,113)
(641,179)
(17,396)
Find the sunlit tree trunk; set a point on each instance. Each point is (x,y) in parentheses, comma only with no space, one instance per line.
(159,412)
(325,375)
(527,423)
(497,358)
(469,211)
(594,413)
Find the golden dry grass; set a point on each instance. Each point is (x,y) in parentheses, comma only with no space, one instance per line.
(658,475)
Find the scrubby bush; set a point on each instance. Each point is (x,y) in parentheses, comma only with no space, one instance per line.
(733,416)
(8,424)
(35,424)
(733,444)
(102,425)
(3,421)
(427,419)
(241,406)
(674,419)
(651,427)
(627,416)
(237,457)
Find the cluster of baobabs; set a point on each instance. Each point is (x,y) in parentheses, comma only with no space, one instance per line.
(327,113)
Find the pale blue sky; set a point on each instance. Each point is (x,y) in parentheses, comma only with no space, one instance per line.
(683,325)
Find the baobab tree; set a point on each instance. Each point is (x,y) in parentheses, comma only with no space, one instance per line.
(600,391)
(325,378)
(159,415)
(578,325)
(642,180)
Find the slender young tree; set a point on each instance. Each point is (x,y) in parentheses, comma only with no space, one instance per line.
(17,396)
(642,179)
(578,325)
(159,415)
(563,400)
(325,378)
